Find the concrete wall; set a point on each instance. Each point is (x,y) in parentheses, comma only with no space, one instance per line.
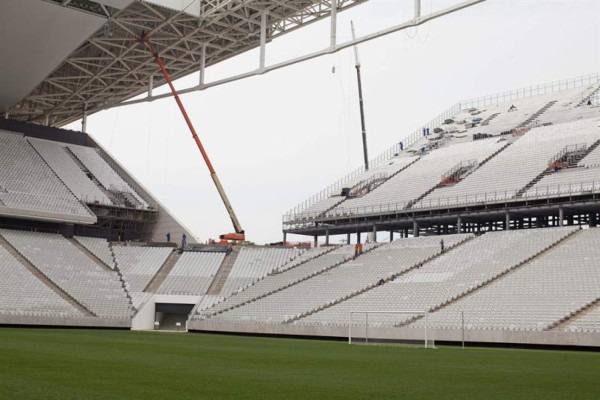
(558,338)
(92,322)
(144,319)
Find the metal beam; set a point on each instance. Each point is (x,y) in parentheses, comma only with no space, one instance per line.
(330,50)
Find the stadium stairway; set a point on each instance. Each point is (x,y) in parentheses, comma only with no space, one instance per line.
(572,163)
(103,265)
(494,278)
(584,101)
(163,272)
(574,316)
(536,114)
(489,119)
(91,255)
(329,250)
(223,273)
(383,181)
(375,284)
(292,283)
(44,279)
(58,177)
(439,185)
(96,182)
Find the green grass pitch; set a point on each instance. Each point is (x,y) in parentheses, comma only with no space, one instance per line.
(94,364)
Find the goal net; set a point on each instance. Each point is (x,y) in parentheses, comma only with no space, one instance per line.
(376,327)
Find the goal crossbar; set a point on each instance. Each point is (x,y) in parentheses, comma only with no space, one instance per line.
(366,321)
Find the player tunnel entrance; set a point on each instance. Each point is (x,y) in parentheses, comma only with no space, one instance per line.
(172,316)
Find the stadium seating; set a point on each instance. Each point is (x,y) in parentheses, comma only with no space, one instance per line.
(567,181)
(109,179)
(341,282)
(192,274)
(139,264)
(450,276)
(68,171)
(589,322)
(381,172)
(254,263)
(28,183)
(21,293)
(530,155)
(289,275)
(99,247)
(537,295)
(417,179)
(97,289)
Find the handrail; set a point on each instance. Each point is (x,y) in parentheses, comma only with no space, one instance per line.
(412,138)
(449,201)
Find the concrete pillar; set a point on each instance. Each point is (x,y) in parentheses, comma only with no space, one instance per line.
(415,229)
(405,233)
(459,225)
(358,237)
(375,233)
(327,237)
(593,221)
(391,236)
(284,237)
(561,216)
(316,241)
(507,221)
(348,239)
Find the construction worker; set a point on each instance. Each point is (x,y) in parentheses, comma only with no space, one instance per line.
(442,245)
(360,248)
(168,237)
(183,241)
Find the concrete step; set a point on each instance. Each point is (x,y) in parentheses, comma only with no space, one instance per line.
(163,272)
(223,273)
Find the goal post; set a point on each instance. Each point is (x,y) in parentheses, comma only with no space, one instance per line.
(362,321)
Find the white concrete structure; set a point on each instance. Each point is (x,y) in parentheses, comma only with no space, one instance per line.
(193,273)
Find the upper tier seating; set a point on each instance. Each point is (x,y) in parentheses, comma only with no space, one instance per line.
(567,181)
(417,179)
(105,174)
(27,183)
(254,263)
(21,293)
(538,294)
(457,272)
(340,282)
(512,169)
(193,273)
(98,289)
(69,172)
(383,172)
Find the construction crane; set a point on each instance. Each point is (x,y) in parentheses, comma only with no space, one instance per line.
(239,234)
(360,101)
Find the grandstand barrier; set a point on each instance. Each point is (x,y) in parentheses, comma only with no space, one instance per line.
(549,338)
(87,322)
(572,190)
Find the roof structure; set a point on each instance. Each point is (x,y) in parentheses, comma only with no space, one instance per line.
(110,66)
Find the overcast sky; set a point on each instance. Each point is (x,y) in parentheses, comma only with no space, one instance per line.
(277,139)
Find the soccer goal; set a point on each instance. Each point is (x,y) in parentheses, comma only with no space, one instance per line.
(363,327)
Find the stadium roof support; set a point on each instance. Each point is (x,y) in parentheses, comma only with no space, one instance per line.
(109,68)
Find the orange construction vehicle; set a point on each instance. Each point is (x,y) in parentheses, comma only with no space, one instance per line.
(239,234)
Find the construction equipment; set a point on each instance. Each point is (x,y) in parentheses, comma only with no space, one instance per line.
(360,101)
(239,234)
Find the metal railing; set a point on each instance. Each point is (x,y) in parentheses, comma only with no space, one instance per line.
(484,198)
(416,135)
(532,91)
